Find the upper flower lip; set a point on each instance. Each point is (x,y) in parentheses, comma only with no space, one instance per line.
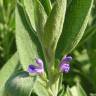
(39,62)
(36,69)
(66,59)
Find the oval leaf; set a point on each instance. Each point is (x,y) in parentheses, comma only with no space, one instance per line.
(21,84)
(7,70)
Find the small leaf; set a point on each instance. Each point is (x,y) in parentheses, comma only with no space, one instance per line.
(47,6)
(68,93)
(76,20)
(81,92)
(20,84)
(40,88)
(76,90)
(88,34)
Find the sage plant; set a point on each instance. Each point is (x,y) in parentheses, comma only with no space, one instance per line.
(46,33)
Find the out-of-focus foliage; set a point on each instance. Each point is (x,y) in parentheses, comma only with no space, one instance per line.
(31,17)
(7,28)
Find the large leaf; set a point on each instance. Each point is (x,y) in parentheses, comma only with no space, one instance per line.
(7,70)
(74,26)
(54,25)
(20,84)
(27,43)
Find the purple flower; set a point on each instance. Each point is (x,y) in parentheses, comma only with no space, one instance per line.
(64,65)
(36,69)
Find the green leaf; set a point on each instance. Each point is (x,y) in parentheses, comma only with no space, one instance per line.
(7,70)
(76,20)
(29,7)
(68,92)
(81,92)
(75,91)
(40,18)
(27,43)
(47,6)
(20,84)
(54,25)
(40,88)
(88,34)
(78,91)
(37,15)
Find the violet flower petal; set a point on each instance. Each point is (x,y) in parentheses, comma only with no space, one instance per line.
(39,62)
(36,69)
(65,68)
(66,59)
(64,65)
(31,69)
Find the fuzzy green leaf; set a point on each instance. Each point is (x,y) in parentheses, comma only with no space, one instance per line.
(78,91)
(47,6)
(54,25)
(40,90)
(7,70)
(88,34)
(75,91)
(76,20)
(29,7)
(27,43)
(40,17)
(20,84)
